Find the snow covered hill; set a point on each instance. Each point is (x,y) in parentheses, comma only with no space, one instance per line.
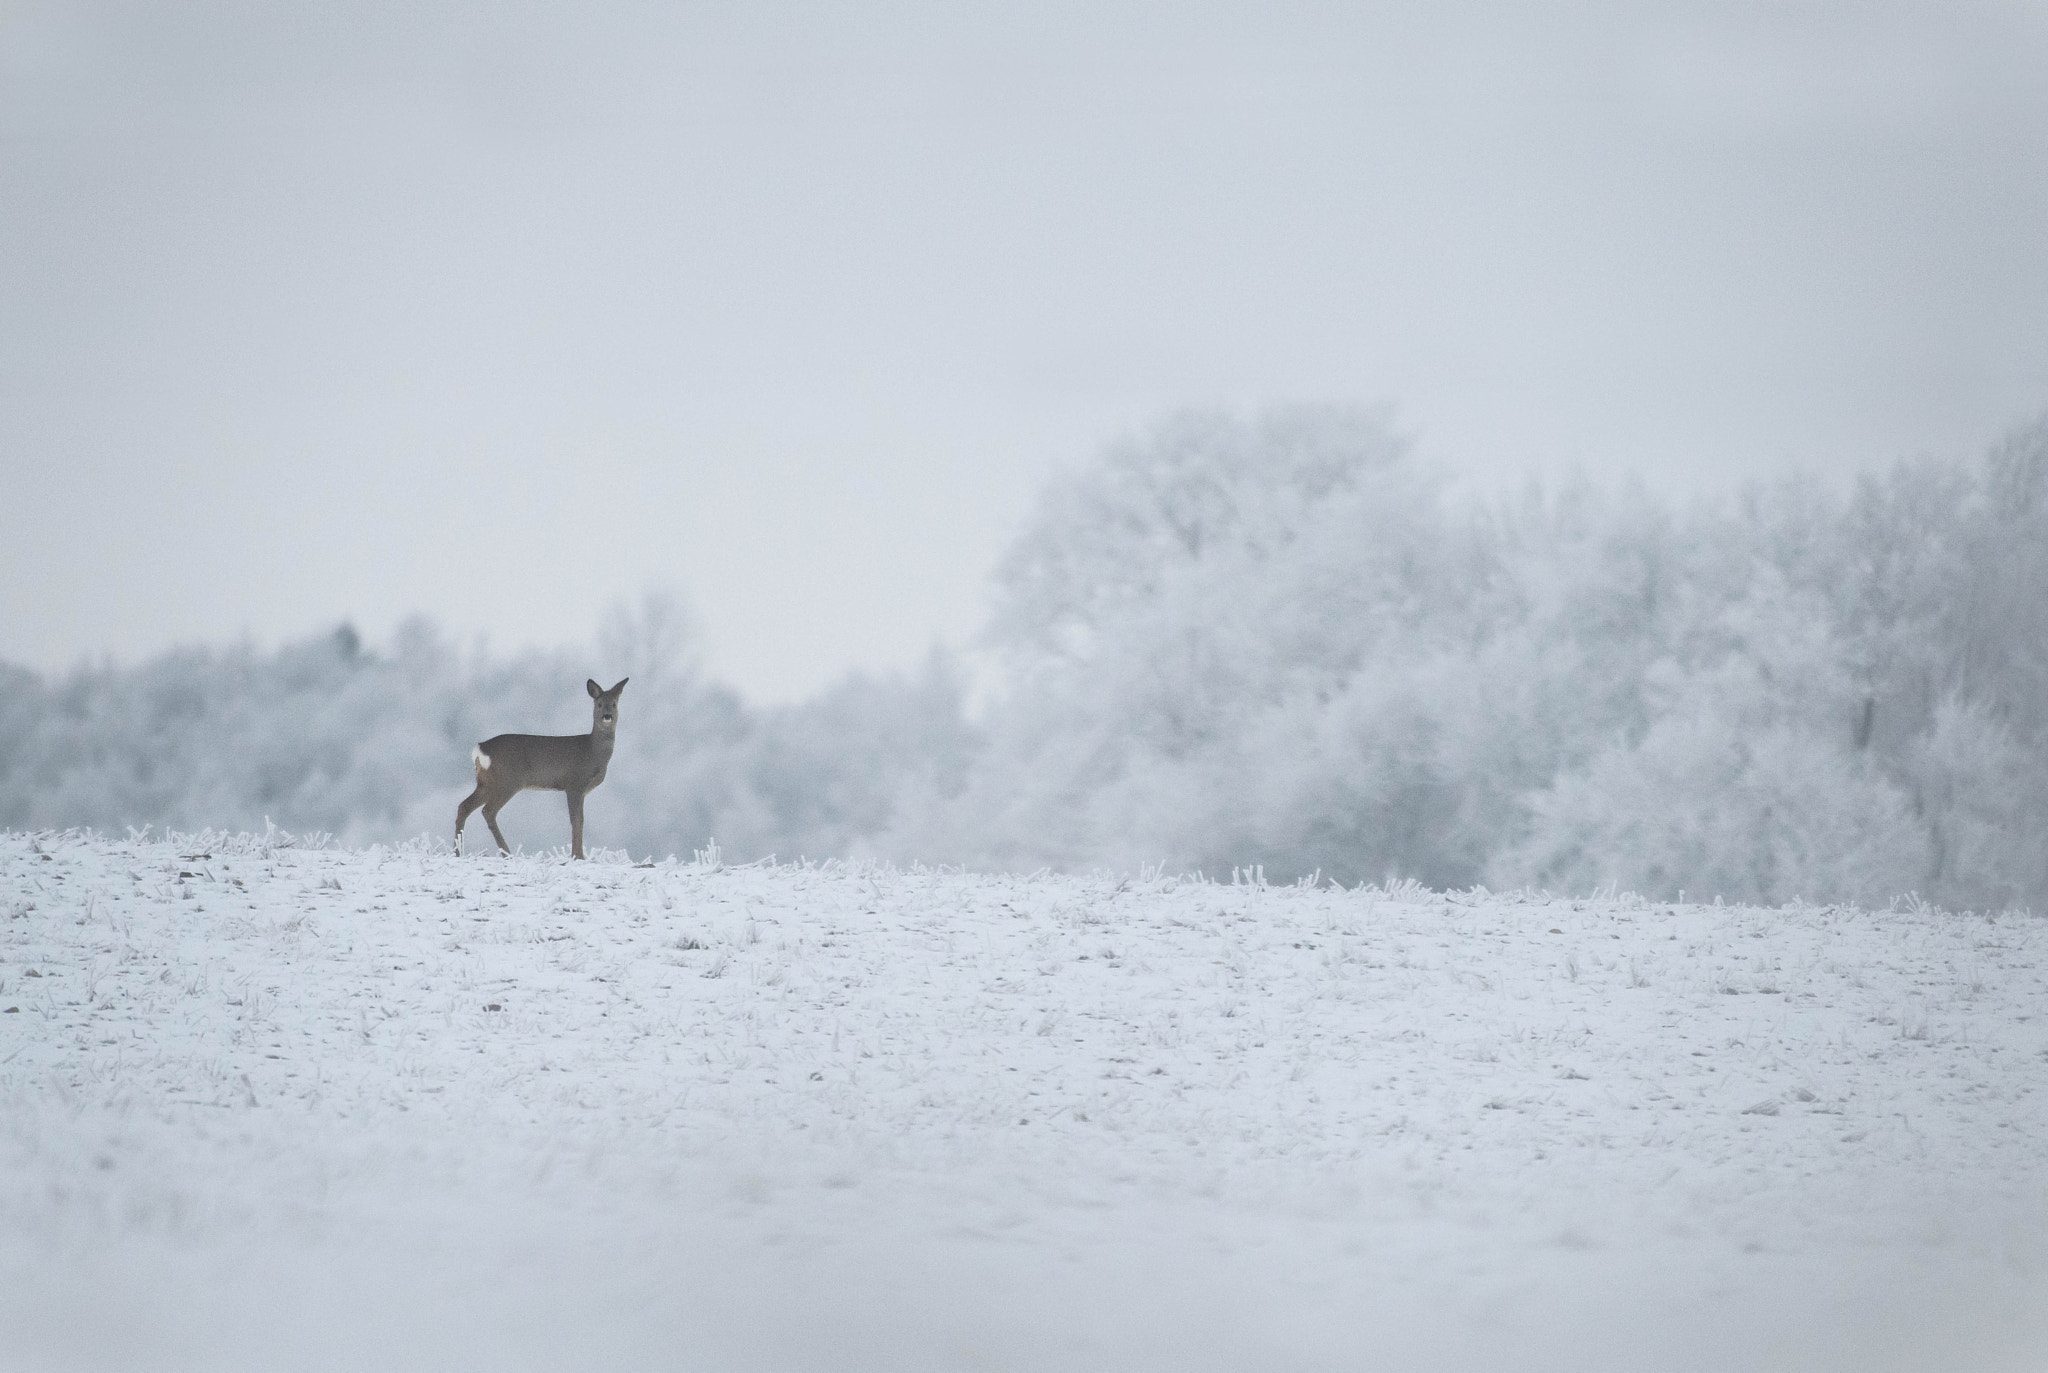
(266,1106)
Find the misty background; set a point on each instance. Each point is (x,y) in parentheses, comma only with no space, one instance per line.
(1557,444)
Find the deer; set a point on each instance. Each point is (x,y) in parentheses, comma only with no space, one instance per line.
(572,763)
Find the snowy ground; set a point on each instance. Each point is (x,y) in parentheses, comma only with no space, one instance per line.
(268,1107)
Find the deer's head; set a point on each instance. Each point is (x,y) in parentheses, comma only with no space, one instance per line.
(604,712)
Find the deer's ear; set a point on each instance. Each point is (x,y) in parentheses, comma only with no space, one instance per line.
(591,687)
(620,687)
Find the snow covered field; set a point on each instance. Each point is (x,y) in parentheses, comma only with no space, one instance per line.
(270,1107)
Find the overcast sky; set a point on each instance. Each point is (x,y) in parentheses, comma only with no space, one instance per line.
(502,312)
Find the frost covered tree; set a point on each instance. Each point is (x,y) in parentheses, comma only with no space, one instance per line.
(373,744)
(1861,717)
(1270,640)
(1205,594)
(1745,780)
(1273,640)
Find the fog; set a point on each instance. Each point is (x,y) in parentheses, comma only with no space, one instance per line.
(313,316)
(1279,642)
(1071,483)
(1593,425)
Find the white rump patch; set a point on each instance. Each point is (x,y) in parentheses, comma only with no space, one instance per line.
(479,757)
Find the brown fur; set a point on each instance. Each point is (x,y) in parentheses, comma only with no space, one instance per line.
(572,763)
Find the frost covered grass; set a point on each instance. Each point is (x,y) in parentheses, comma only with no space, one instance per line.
(264,1105)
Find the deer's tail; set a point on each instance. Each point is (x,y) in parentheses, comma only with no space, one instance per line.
(481,759)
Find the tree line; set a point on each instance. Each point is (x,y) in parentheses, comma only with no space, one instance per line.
(1275,640)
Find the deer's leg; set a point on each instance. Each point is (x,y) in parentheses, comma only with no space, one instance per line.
(576,824)
(462,813)
(491,809)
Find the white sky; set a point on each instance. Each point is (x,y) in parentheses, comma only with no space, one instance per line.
(501,313)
